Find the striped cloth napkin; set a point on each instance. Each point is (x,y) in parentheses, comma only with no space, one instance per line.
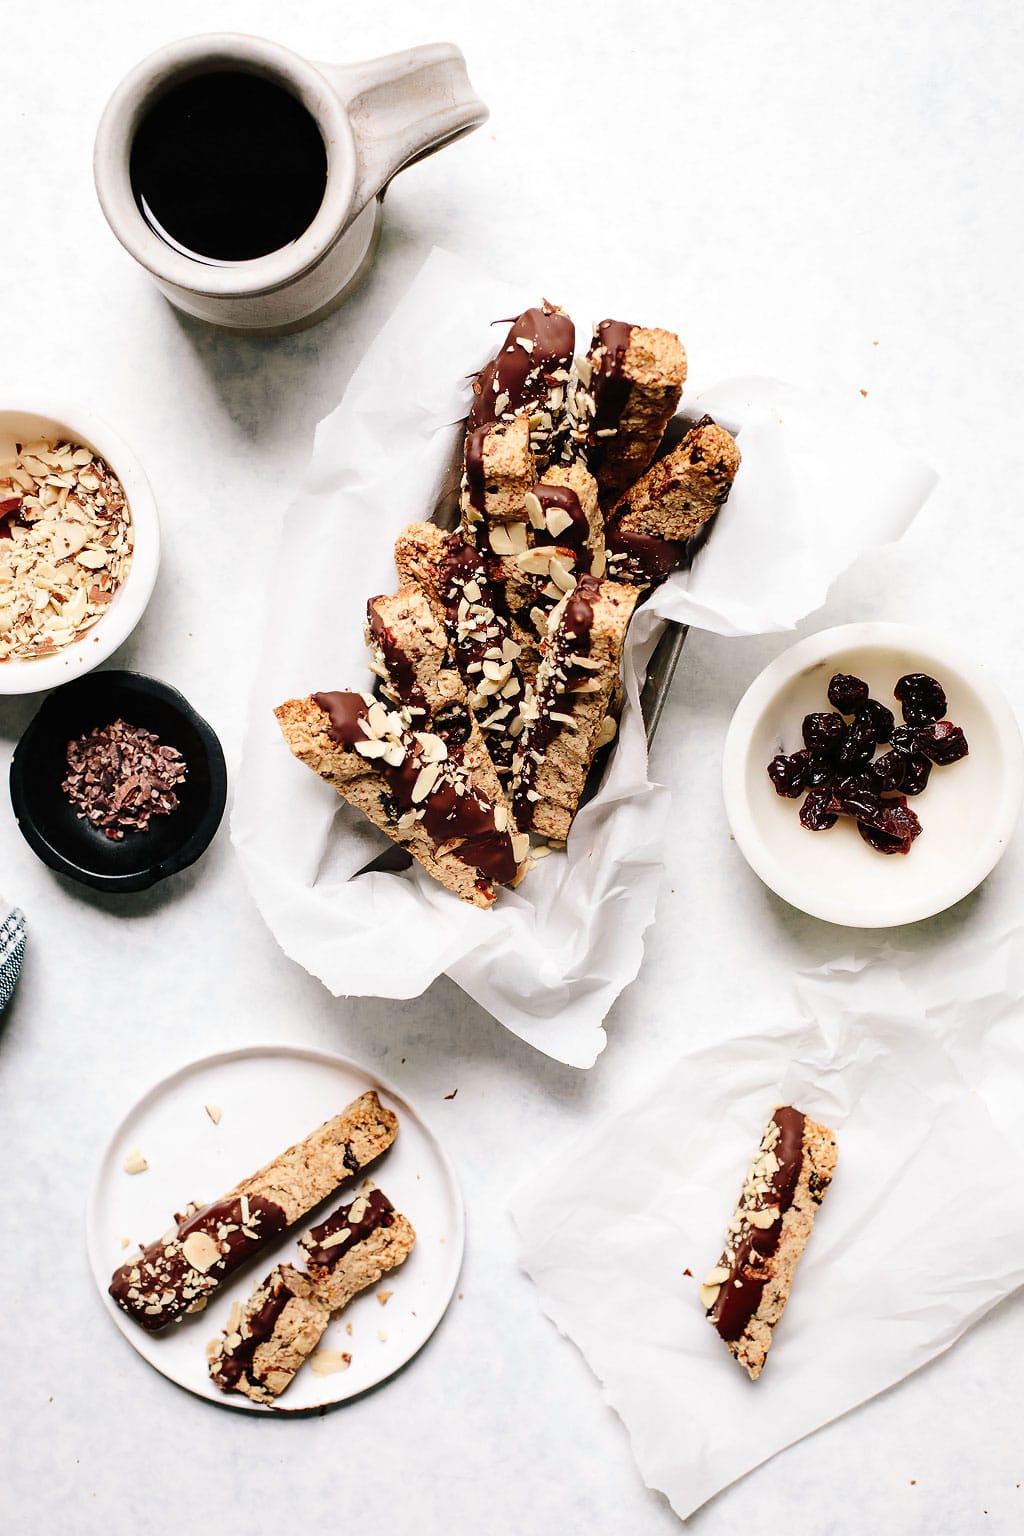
(12,948)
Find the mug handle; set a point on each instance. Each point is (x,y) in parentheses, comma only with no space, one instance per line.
(403,107)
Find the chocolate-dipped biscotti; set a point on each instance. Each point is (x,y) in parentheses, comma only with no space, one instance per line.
(567,518)
(413,784)
(565,710)
(181,1270)
(635,376)
(746,1293)
(267,1340)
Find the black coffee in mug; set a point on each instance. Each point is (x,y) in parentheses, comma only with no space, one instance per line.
(227,167)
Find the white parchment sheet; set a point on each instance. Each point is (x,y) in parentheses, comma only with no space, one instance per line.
(917,1063)
(550,958)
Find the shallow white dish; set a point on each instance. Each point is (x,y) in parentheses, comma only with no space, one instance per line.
(26,417)
(272,1096)
(968,810)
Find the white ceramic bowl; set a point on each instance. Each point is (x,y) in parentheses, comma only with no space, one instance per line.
(968,810)
(31,417)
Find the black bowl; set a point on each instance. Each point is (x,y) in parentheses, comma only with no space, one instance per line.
(73,846)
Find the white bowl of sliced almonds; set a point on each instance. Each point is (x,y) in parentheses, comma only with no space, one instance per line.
(79,543)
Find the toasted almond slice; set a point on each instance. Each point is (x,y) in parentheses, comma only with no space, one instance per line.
(425,781)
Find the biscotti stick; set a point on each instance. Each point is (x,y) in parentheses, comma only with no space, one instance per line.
(678,495)
(412,785)
(411,651)
(267,1340)
(636,376)
(355,1246)
(528,375)
(746,1292)
(564,511)
(565,712)
(499,470)
(181,1270)
(456,579)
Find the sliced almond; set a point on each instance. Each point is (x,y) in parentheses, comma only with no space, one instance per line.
(201,1251)
(558,520)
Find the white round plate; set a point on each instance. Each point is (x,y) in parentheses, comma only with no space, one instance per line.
(270,1097)
(24,417)
(968,810)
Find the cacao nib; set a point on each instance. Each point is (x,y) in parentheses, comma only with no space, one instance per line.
(824,732)
(915,775)
(790,774)
(817,813)
(882,719)
(921,698)
(847,693)
(943,742)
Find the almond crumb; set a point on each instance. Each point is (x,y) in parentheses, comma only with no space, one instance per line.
(135,1162)
(214,1111)
(384,1297)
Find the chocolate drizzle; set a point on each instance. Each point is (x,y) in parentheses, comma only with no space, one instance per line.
(344,710)
(572,638)
(400,668)
(521,376)
(453,812)
(645,559)
(740,1295)
(165,1284)
(565,499)
(609,385)
(474,459)
(324,1255)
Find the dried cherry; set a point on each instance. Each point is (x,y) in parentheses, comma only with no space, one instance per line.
(922,699)
(820,810)
(889,769)
(857,795)
(904,739)
(847,693)
(859,747)
(915,774)
(882,719)
(943,742)
(824,732)
(893,829)
(790,775)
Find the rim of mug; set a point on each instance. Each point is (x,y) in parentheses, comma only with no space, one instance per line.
(187,59)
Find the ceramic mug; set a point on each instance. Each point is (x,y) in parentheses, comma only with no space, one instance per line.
(375,118)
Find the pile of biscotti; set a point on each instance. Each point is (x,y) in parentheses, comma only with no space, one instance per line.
(497,661)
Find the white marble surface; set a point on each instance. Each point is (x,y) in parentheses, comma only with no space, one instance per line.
(824,193)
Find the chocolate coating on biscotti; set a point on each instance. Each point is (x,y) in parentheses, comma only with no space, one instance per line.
(636,378)
(746,1293)
(678,494)
(181,1270)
